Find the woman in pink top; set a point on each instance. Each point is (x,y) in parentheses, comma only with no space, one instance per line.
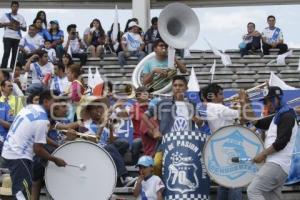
(76,88)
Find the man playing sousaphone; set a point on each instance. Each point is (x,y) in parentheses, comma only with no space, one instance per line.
(158,66)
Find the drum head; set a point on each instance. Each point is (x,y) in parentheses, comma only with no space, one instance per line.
(222,146)
(95,180)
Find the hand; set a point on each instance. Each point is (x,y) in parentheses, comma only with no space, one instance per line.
(140,179)
(59,162)
(34,56)
(243,96)
(197,119)
(259,158)
(71,134)
(156,134)
(161,72)
(126,53)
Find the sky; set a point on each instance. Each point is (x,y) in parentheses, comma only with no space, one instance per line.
(223,27)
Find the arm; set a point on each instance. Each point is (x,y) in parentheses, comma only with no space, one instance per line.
(138,186)
(66,47)
(40,151)
(29,61)
(52,142)
(5,124)
(160,194)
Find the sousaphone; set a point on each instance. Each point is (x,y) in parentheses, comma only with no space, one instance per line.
(179,27)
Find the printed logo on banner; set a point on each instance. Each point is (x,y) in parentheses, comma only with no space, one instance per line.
(125,130)
(184,172)
(232,145)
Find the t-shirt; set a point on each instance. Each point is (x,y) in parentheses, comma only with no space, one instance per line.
(132,40)
(9,33)
(45,34)
(15,103)
(150,187)
(57,36)
(60,84)
(219,116)
(76,91)
(74,46)
(93,129)
(272,35)
(51,55)
(29,127)
(39,72)
(181,122)
(154,63)
(31,44)
(6,116)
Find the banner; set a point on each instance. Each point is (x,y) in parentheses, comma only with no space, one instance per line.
(294,174)
(183,169)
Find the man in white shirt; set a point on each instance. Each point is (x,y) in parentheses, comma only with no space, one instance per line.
(13,23)
(25,138)
(218,116)
(74,45)
(132,44)
(29,44)
(272,37)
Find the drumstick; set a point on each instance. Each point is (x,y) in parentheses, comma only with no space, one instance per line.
(238,159)
(82,167)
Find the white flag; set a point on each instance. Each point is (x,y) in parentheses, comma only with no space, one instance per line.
(224,57)
(193,85)
(90,81)
(97,77)
(114,34)
(212,71)
(281,58)
(276,81)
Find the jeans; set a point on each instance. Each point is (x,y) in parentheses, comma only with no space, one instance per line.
(267,183)
(229,193)
(136,148)
(118,159)
(9,44)
(122,56)
(282,48)
(122,145)
(254,45)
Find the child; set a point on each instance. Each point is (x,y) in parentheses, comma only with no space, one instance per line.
(76,88)
(51,52)
(148,186)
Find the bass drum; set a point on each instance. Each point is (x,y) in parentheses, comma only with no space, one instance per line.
(227,143)
(93,175)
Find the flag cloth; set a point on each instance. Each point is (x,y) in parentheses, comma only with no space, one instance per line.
(193,85)
(276,81)
(212,71)
(281,58)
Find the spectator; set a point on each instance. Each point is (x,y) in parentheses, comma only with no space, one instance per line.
(40,30)
(13,23)
(114,45)
(51,52)
(75,44)
(18,77)
(272,37)
(132,44)
(57,38)
(60,82)
(41,69)
(137,22)
(4,75)
(15,103)
(30,44)
(96,39)
(76,88)
(5,121)
(251,41)
(151,35)
(66,61)
(42,15)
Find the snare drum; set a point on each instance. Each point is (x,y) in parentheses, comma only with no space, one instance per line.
(227,143)
(93,175)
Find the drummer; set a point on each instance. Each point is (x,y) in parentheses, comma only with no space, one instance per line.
(26,138)
(174,114)
(159,63)
(218,116)
(279,144)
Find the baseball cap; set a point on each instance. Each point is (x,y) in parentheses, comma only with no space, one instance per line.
(54,22)
(132,24)
(272,91)
(145,161)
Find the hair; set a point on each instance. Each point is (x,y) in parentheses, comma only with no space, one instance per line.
(41,53)
(32,25)
(47,41)
(140,90)
(30,97)
(19,65)
(154,20)
(212,88)
(2,84)
(179,77)
(202,92)
(251,23)
(68,56)
(156,42)
(46,95)
(38,15)
(14,3)
(111,28)
(102,32)
(37,18)
(70,27)
(60,66)
(75,69)
(271,16)
(6,74)
(51,30)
